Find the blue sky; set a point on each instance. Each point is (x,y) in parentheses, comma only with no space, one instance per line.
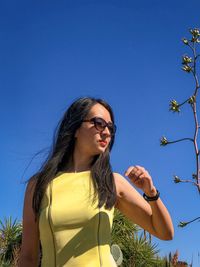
(128,53)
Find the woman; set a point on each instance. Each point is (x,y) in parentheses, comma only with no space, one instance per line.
(69,203)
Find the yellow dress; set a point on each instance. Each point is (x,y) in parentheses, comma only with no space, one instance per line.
(74,232)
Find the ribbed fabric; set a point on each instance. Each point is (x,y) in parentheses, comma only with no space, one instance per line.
(74,232)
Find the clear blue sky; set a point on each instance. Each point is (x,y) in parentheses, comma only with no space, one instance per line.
(127,52)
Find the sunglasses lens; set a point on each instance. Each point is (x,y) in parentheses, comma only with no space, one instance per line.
(100,125)
(111,128)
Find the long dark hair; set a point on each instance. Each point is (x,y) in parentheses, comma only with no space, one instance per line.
(61,154)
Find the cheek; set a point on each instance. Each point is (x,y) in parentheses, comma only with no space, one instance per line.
(84,136)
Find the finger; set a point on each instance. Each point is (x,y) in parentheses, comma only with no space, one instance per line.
(138,172)
(137,179)
(128,170)
(142,176)
(137,167)
(140,167)
(133,169)
(135,173)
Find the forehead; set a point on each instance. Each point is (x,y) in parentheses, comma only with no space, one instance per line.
(99,111)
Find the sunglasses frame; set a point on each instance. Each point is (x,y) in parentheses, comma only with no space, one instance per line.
(111,126)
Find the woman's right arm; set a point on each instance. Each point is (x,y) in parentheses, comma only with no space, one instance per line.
(29,254)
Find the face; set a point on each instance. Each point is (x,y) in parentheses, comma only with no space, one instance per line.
(92,141)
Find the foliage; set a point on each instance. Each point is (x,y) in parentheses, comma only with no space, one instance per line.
(10,240)
(137,251)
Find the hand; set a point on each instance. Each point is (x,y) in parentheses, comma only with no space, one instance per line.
(141,179)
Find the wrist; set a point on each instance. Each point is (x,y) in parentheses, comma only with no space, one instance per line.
(152,198)
(151,193)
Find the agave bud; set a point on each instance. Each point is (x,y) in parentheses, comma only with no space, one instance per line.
(194,39)
(174,106)
(195,32)
(176,179)
(185,41)
(182,224)
(192,99)
(187,68)
(186,59)
(163,141)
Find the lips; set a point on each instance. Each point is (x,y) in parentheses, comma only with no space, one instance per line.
(103,143)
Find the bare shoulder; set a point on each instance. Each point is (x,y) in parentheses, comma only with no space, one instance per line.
(28,212)
(129,199)
(30,188)
(117,176)
(29,192)
(31,184)
(125,191)
(120,181)
(117,180)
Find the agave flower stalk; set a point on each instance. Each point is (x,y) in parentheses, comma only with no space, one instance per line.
(189,65)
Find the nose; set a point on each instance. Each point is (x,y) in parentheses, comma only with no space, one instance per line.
(106,132)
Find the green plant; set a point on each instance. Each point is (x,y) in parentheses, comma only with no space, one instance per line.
(137,250)
(10,239)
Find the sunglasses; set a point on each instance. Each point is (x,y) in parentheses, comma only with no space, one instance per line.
(100,124)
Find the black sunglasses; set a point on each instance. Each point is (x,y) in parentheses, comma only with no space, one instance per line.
(100,124)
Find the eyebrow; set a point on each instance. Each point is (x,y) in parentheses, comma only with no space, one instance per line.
(101,118)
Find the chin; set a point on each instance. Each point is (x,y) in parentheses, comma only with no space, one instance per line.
(102,150)
(99,151)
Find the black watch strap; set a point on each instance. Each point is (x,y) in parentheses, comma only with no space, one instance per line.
(147,198)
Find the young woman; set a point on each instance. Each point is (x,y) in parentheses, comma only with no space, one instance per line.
(69,202)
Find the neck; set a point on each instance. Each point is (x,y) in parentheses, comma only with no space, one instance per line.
(81,162)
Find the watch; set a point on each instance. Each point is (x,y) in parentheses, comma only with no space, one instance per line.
(147,198)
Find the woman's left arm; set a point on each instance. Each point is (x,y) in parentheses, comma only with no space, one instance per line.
(152,216)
